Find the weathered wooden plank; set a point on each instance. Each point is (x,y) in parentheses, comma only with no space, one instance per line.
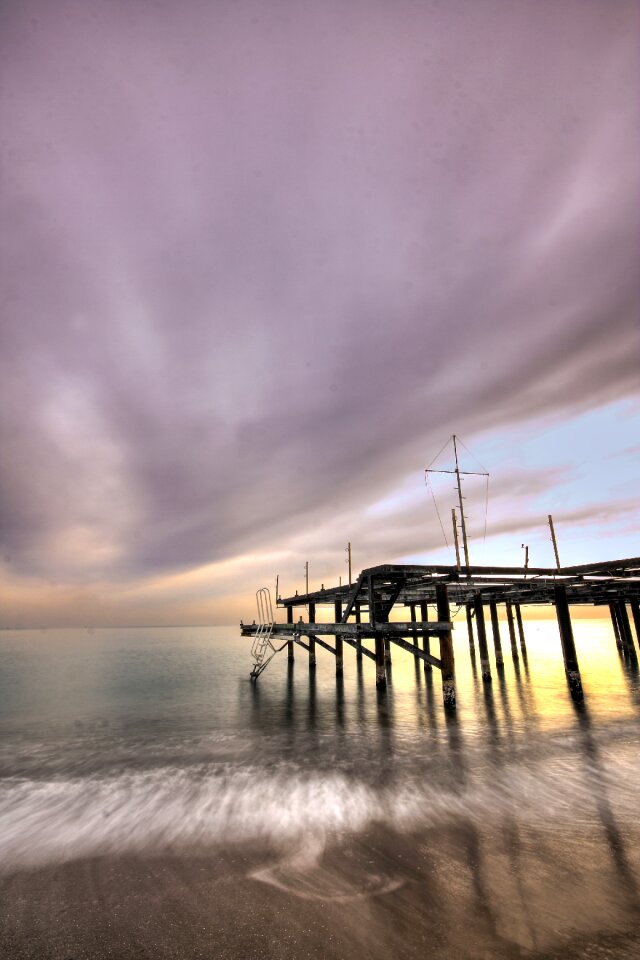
(427,627)
(416,651)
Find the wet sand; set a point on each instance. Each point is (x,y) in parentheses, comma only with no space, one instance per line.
(459,892)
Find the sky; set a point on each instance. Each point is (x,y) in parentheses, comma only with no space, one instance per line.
(261,260)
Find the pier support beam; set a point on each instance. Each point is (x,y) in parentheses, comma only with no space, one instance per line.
(381,673)
(338,639)
(377,616)
(614,623)
(523,645)
(625,630)
(571,667)
(485,666)
(291,644)
(311,638)
(469,608)
(495,628)
(512,631)
(426,640)
(446,649)
(412,612)
(358,640)
(635,610)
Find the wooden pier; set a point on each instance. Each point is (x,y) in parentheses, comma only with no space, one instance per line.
(362,613)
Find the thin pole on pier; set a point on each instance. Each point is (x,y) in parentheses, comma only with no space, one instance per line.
(553,540)
(463,524)
(306,578)
(446,649)
(495,628)
(339,641)
(455,536)
(571,667)
(349,560)
(485,666)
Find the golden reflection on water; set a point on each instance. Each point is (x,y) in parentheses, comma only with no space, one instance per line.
(534,684)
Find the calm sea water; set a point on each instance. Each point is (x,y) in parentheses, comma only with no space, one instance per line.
(509,830)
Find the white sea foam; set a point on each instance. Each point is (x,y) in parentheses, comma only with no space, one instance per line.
(173,809)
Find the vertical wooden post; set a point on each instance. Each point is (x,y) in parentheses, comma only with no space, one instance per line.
(495,628)
(625,630)
(614,622)
(358,638)
(635,610)
(290,644)
(485,666)
(339,640)
(512,631)
(381,673)
(312,639)
(523,645)
(469,608)
(414,635)
(426,640)
(387,650)
(446,649)
(571,667)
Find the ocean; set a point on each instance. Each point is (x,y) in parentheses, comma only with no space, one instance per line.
(155,803)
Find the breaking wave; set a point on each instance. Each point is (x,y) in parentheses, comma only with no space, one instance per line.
(290,809)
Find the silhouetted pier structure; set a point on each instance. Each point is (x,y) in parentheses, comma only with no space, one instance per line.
(363,611)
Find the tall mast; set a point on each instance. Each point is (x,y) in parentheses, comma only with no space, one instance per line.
(463,525)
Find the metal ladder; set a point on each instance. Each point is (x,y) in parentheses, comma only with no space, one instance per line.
(262,641)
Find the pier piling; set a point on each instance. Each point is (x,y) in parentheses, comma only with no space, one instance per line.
(291,644)
(469,609)
(485,666)
(614,622)
(512,631)
(426,640)
(495,629)
(571,667)
(446,649)
(625,630)
(635,610)
(523,646)
(312,639)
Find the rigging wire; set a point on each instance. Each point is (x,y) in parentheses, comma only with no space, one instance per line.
(433,497)
(462,444)
(438,454)
(486,509)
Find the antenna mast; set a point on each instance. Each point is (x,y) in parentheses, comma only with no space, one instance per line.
(465,545)
(463,524)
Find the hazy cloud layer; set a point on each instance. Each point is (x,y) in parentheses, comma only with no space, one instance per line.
(261,259)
